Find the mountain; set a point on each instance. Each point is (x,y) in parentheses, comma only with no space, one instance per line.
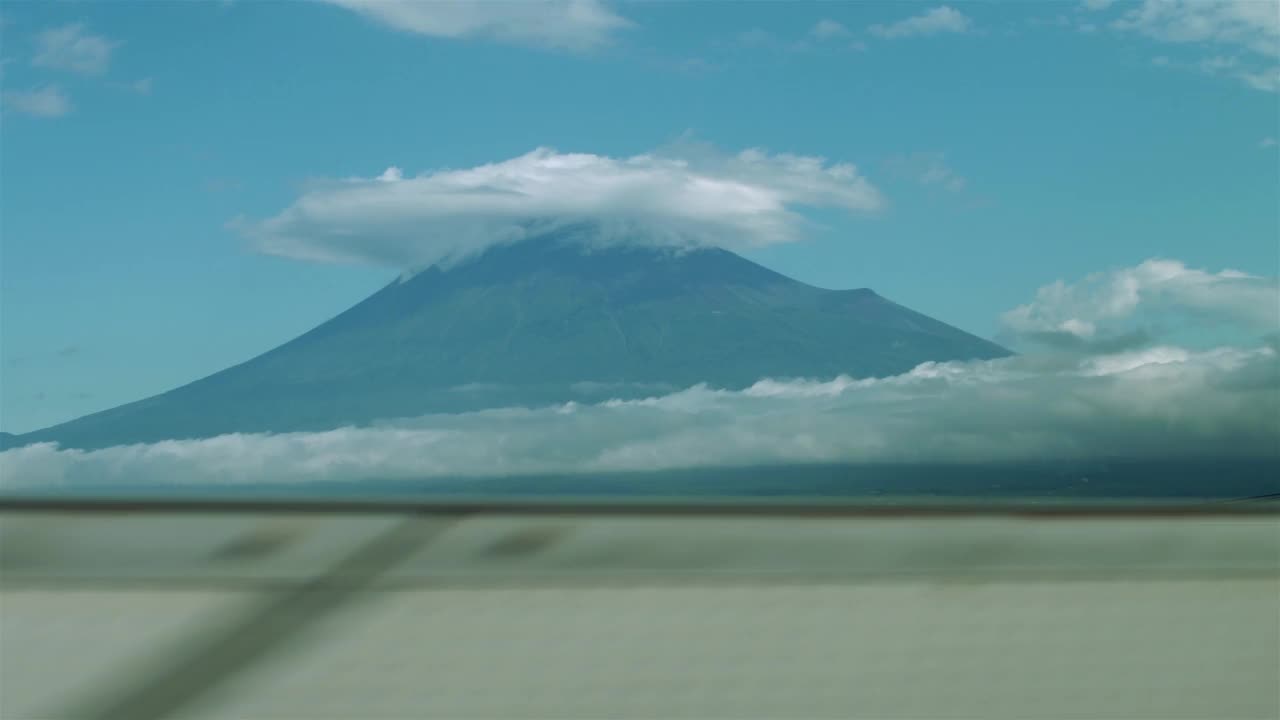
(541,321)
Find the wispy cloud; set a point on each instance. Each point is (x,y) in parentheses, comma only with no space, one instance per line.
(141,86)
(756,38)
(1058,20)
(684,194)
(74,49)
(562,24)
(48,102)
(221,185)
(824,36)
(1246,34)
(1266,79)
(1217,64)
(828,29)
(942,19)
(1227,66)
(1267,142)
(689,65)
(1247,24)
(927,168)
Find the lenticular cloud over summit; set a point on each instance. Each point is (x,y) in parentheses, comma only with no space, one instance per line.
(694,196)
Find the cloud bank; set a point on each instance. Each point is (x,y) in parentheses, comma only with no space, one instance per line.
(1153,401)
(745,200)
(1158,403)
(561,24)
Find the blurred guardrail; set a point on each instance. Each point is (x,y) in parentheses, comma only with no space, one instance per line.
(387,608)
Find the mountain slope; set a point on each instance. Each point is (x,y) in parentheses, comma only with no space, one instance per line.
(538,322)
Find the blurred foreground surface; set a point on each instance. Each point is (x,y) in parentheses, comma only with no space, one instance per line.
(254,612)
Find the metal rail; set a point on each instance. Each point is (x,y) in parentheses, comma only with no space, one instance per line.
(773,506)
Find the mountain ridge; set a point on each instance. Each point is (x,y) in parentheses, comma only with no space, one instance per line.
(536,322)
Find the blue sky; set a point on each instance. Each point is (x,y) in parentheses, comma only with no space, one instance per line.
(1009,145)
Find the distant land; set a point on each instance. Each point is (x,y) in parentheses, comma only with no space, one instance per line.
(545,320)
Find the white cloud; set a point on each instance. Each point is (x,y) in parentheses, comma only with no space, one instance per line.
(1248,29)
(47,101)
(1267,142)
(696,196)
(942,19)
(561,24)
(73,48)
(827,29)
(1159,403)
(927,168)
(1153,290)
(1250,24)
